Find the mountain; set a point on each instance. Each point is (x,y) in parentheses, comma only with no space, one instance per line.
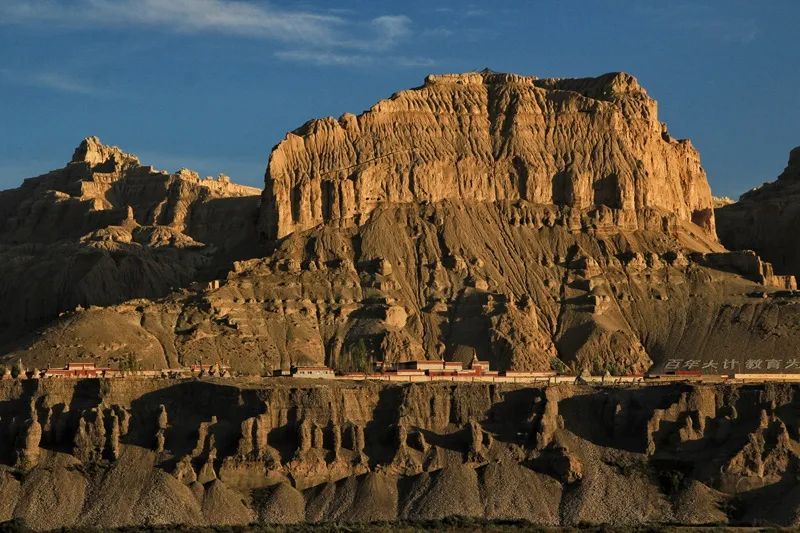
(105,229)
(533,223)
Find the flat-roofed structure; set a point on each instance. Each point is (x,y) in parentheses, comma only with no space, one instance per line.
(526,374)
(480,367)
(319,372)
(436,369)
(409,372)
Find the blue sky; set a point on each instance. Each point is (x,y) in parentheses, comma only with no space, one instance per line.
(214,84)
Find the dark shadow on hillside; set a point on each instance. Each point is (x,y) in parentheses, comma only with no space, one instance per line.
(513,419)
(189,404)
(592,416)
(379,434)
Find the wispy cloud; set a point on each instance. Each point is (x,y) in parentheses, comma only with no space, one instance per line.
(742,32)
(216,16)
(389,29)
(53,80)
(437,32)
(326,58)
(323,58)
(404,61)
(332,37)
(476,13)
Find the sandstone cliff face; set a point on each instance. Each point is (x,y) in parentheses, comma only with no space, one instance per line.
(105,229)
(109,454)
(487,137)
(765,220)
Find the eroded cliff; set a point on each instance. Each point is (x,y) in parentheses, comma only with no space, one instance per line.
(105,229)
(126,453)
(486,137)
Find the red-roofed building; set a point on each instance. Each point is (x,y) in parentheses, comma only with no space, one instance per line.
(77,370)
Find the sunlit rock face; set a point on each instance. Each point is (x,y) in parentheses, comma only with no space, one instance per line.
(486,137)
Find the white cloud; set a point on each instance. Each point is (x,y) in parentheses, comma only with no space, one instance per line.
(227,17)
(327,58)
(476,13)
(437,33)
(61,82)
(389,29)
(57,81)
(313,38)
(414,61)
(322,57)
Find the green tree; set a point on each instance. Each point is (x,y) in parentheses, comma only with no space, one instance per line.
(129,363)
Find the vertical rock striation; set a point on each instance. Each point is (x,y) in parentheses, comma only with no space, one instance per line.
(485,136)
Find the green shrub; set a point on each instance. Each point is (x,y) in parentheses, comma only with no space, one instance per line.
(129,363)
(558,365)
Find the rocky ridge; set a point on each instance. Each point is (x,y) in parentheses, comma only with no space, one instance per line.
(534,223)
(130,453)
(105,229)
(764,219)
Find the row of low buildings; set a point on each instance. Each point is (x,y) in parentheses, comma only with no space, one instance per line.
(480,371)
(440,370)
(79,370)
(419,370)
(405,371)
